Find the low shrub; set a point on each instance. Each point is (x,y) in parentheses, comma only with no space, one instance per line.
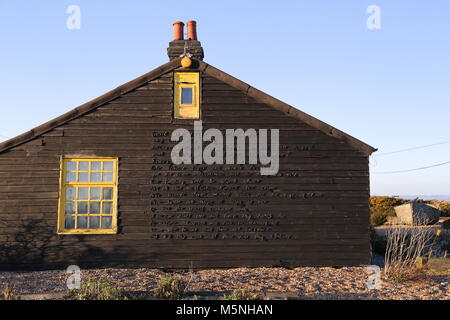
(99,289)
(405,247)
(8,293)
(402,274)
(445,209)
(378,218)
(172,288)
(385,205)
(438,266)
(240,294)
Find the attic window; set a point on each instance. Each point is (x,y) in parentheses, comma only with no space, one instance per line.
(88,200)
(187,96)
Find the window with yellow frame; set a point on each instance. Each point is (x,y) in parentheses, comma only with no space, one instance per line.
(187,95)
(88,196)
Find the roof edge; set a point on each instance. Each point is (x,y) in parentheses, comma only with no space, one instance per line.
(90,105)
(286,109)
(203,67)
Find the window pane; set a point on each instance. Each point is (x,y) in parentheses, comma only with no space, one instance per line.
(94,222)
(83,166)
(106,222)
(82,207)
(107,177)
(186,96)
(69,222)
(96,166)
(96,177)
(71,193)
(107,193)
(107,208)
(86,204)
(95,193)
(94,207)
(82,222)
(71,166)
(71,177)
(108,166)
(83,177)
(70,208)
(83,193)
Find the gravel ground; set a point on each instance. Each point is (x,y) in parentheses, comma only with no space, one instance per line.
(306,283)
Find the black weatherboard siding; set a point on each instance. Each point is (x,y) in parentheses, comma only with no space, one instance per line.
(314,212)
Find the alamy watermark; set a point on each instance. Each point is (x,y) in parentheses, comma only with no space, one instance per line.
(74,280)
(374,278)
(216,153)
(374,20)
(73,21)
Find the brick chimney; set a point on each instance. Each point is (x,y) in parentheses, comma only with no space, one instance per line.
(178,46)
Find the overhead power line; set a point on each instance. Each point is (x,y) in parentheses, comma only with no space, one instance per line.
(410,149)
(415,169)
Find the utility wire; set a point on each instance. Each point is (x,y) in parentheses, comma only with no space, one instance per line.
(409,170)
(409,149)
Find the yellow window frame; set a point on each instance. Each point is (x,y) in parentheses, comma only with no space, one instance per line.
(187,80)
(64,184)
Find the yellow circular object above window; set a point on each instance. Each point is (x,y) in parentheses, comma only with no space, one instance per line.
(186,62)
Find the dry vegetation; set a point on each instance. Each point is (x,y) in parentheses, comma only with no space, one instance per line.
(8,293)
(404,246)
(172,288)
(305,282)
(444,207)
(99,288)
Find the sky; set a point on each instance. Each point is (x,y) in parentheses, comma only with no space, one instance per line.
(387,85)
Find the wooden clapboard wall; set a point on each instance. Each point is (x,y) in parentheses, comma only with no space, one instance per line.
(314,212)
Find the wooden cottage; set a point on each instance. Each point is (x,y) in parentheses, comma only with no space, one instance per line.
(98,186)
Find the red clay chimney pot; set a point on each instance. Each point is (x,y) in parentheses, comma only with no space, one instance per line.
(192,30)
(178,30)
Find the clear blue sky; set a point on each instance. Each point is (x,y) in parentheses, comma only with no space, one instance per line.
(387,87)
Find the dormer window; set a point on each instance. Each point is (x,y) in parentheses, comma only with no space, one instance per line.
(187,95)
